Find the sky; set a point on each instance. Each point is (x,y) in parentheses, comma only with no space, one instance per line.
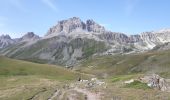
(128,16)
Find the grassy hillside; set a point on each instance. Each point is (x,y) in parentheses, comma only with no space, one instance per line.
(21,80)
(151,62)
(10,67)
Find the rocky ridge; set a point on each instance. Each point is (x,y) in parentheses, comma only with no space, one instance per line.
(72,40)
(5,40)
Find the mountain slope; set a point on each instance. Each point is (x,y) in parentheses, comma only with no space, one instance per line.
(21,68)
(73,40)
(144,63)
(5,40)
(60,50)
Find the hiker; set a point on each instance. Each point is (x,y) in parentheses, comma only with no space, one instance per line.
(79,79)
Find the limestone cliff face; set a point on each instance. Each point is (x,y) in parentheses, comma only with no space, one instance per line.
(67,26)
(92,26)
(76,24)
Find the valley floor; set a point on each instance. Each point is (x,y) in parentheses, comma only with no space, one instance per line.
(20,80)
(38,88)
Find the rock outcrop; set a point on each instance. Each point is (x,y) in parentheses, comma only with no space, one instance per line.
(155,81)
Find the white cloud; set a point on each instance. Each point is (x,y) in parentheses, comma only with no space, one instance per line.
(50,4)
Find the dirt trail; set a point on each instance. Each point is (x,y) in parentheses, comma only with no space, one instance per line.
(35,95)
(55,94)
(90,95)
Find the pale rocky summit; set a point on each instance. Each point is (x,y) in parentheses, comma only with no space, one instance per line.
(5,37)
(149,40)
(5,40)
(76,24)
(67,26)
(30,36)
(92,26)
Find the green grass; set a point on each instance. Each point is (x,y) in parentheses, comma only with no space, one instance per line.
(22,80)
(121,77)
(11,67)
(150,62)
(137,85)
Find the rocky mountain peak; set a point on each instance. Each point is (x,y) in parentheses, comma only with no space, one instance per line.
(67,26)
(74,19)
(28,36)
(5,37)
(165,30)
(5,40)
(90,22)
(76,24)
(92,26)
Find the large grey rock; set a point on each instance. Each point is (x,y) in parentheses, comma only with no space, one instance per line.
(155,81)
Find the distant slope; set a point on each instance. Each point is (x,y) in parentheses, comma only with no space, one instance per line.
(11,67)
(56,50)
(21,80)
(151,62)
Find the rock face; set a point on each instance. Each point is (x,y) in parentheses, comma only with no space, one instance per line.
(76,24)
(94,27)
(5,40)
(155,81)
(67,26)
(72,40)
(30,36)
(165,46)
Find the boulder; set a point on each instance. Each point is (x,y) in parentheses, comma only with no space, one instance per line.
(129,81)
(155,81)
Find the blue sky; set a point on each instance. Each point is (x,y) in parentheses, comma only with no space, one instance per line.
(129,16)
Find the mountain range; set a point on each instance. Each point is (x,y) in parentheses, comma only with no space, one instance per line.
(73,40)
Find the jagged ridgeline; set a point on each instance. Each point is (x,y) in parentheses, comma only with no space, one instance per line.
(72,40)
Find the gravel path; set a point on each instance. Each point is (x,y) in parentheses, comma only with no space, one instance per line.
(90,95)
